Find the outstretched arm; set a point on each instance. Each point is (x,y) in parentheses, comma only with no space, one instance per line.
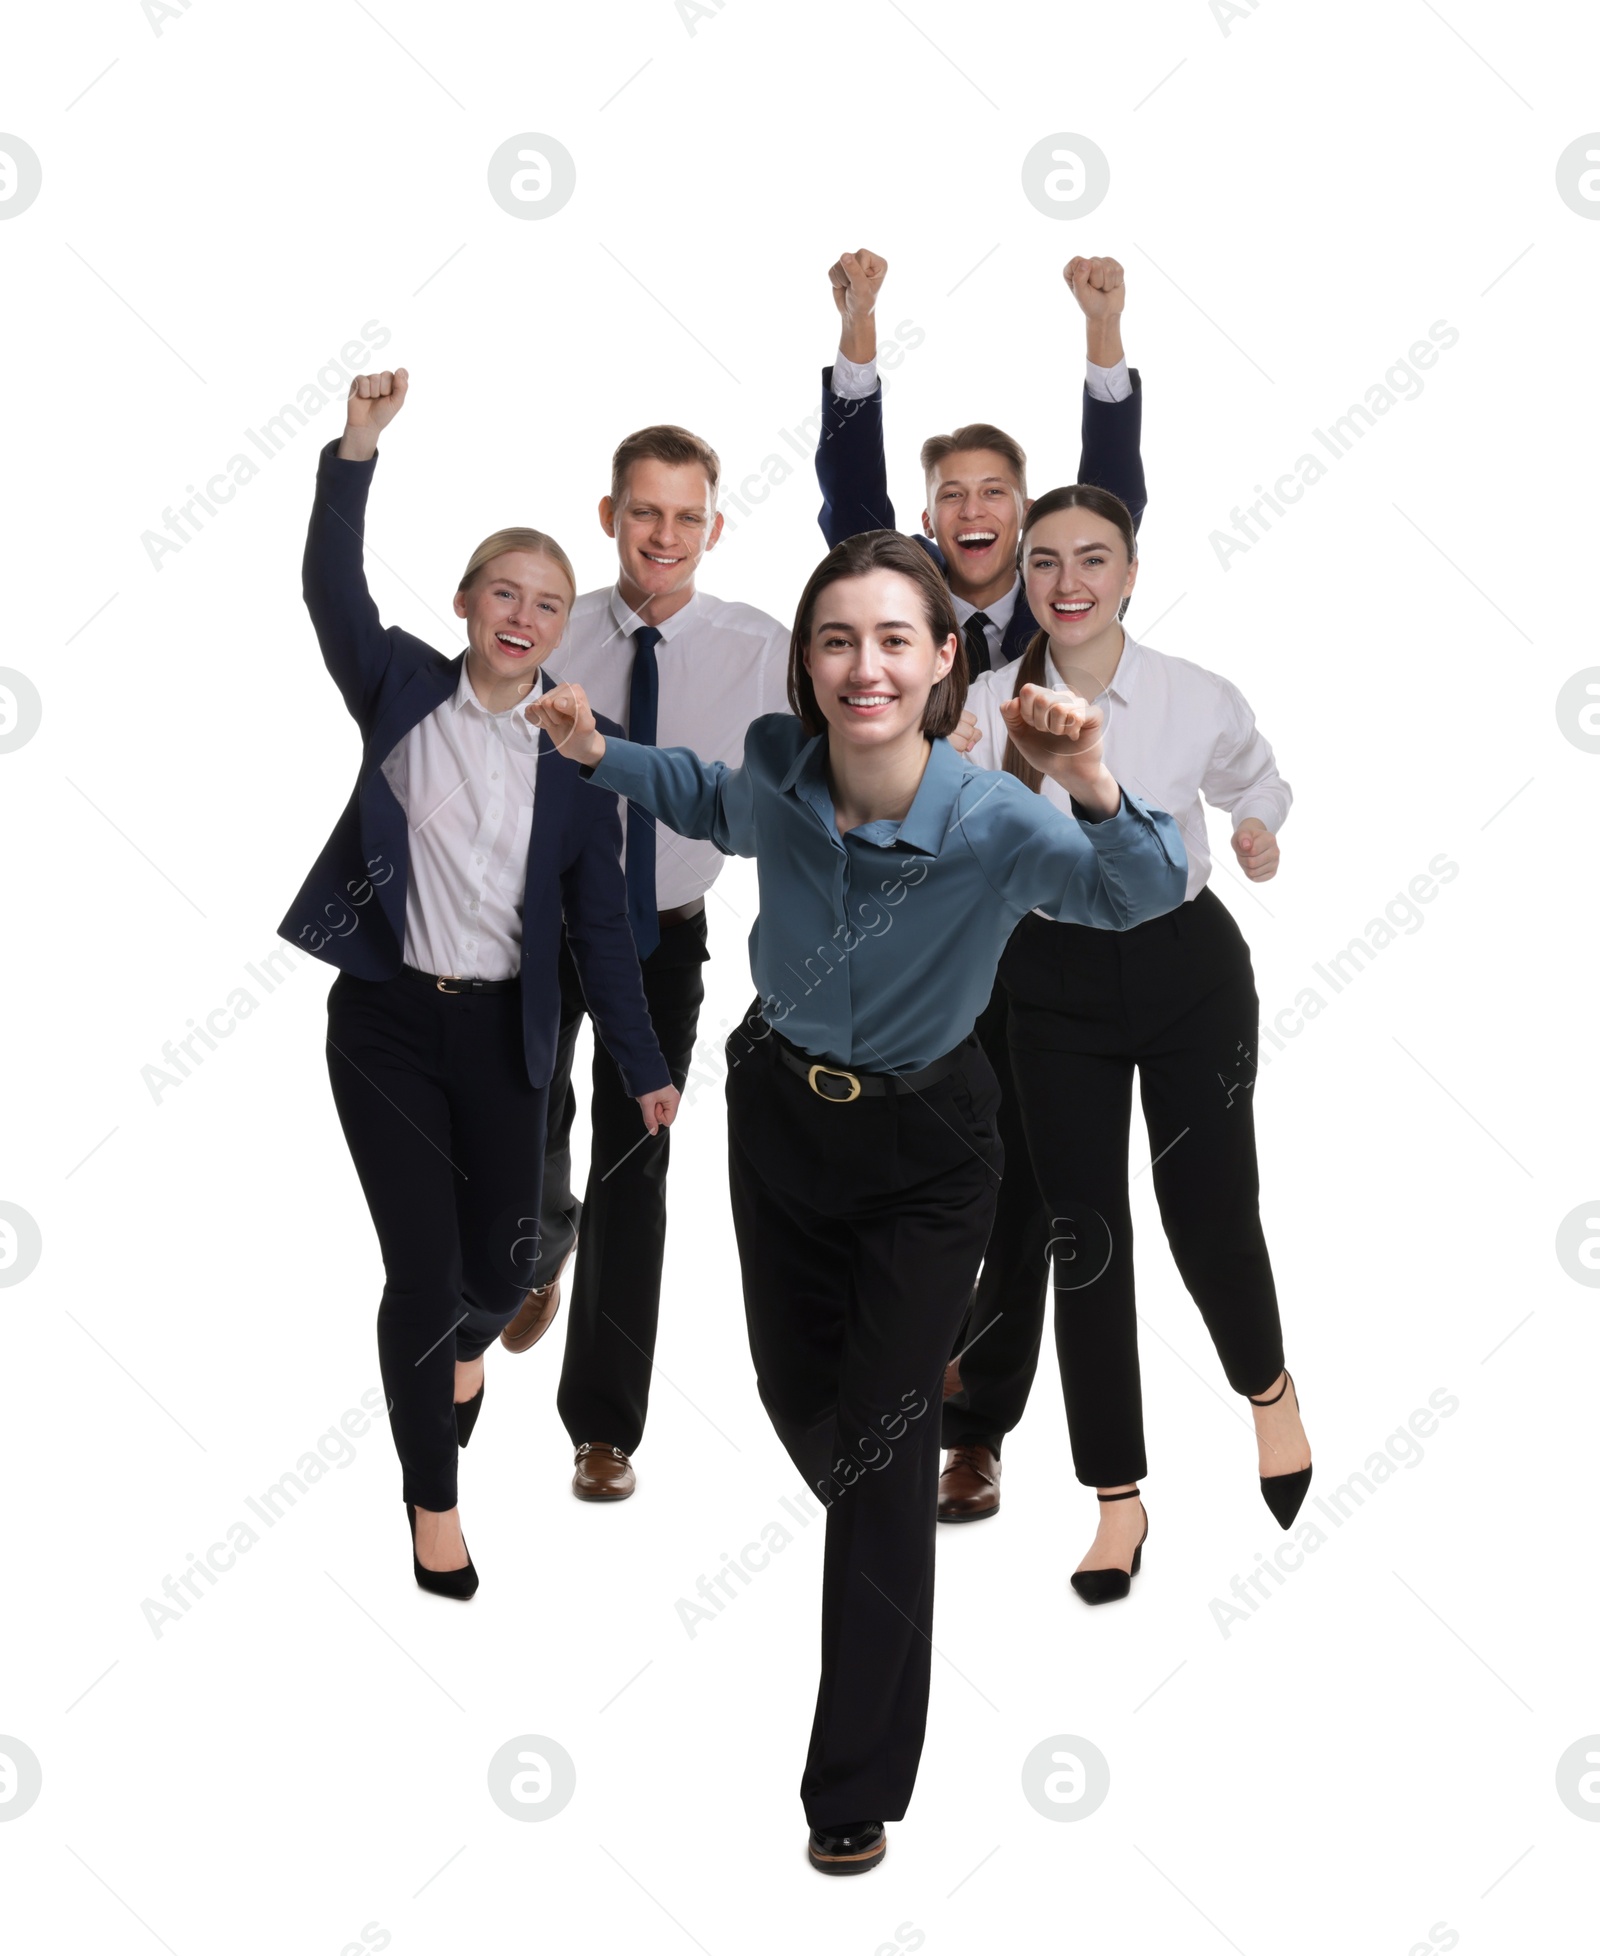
(850,466)
(706,800)
(355,646)
(1111,397)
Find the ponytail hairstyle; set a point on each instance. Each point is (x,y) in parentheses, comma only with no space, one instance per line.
(1032,665)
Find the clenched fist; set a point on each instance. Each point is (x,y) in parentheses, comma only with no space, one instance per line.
(1096,284)
(1063,735)
(856,278)
(1257,849)
(374,401)
(565,715)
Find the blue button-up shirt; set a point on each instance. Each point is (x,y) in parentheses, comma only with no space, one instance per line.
(877,949)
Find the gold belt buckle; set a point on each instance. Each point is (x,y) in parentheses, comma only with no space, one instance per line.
(838,1073)
(450,991)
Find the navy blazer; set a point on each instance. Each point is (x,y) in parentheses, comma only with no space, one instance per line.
(351,909)
(855,485)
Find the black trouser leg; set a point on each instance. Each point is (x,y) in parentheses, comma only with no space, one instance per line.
(859,1229)
(559,1209)
(444,1129)
(604,1393)
(1199,1084)
(1077,1108)
(1000,1338)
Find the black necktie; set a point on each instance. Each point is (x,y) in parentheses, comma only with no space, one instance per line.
(644,689)
(977,644)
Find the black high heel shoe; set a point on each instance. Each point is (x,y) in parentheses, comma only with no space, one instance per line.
(1111,1585)
(467,1411)
(1284,1493)
(462,1584)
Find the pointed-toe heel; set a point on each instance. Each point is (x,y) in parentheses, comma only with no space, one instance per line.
(1284,1494)
(467,1411)
(1111,1585)
(460,1584)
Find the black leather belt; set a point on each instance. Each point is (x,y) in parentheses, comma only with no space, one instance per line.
(842,1084)
(453,986)
(667,918)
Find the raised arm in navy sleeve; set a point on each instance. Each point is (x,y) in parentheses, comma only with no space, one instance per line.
(850,467)
(1110,458)
(358,650)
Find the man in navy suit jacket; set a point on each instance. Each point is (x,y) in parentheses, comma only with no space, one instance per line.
(977,496)
(977,492)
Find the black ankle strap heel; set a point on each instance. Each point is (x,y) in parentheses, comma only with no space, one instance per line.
(1284,1493)
(1111,1585)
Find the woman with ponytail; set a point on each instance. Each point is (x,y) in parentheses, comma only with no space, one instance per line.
(1174,999)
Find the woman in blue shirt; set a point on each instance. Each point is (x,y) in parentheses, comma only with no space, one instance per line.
(863,1157)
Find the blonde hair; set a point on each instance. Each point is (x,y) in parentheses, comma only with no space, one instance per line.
(535,542)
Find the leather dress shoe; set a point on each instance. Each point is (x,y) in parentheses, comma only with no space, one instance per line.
(850,1849)
(534,1316)
(952,1379)
(969,1487)
(602,1473)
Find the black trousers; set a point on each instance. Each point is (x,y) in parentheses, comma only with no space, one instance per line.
(433,1096)
(1174,999)
(620,1225)
(859,1228)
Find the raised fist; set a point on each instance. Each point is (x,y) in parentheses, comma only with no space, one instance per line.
(856,277)
(565,715)
(373,402)
(1096,285)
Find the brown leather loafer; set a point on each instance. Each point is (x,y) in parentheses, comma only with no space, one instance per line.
(969,1487)
(602,1473)
(535,1317)
(952,1378)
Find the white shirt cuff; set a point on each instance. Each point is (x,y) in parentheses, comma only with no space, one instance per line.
(1105,383)
(855,383)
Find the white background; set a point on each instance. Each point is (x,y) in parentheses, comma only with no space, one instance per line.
(1372,1754)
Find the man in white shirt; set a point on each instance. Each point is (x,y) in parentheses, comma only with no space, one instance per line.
(676,667)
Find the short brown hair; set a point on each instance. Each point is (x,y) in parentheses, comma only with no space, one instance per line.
(857,557)
(976,434)
(663,443)
(535,542)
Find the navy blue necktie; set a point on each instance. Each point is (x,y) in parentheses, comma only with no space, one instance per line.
(644,689)
(977,637)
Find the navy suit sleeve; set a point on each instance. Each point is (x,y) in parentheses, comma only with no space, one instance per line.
(850,466)
(357,649)
(1111,458)
(594,904)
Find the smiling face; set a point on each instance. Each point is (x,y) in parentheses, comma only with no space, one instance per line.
(873,660)
(516,610)
(1075,574)
(664,523)
(975,510)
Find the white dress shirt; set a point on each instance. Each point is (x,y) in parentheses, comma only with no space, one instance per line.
(1173,732)
(720,666)
(465,778)
(855,380)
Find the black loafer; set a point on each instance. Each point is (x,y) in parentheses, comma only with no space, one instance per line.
(848,1850)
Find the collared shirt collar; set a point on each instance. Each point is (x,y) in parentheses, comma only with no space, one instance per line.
(1124,681)
(926,821)
(628,620)
(998,613)
(508,717)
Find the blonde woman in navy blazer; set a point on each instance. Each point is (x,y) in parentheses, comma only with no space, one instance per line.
(441,895)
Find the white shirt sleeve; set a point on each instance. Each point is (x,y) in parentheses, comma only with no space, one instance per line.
(1242,775)
(1105,383)
(854,383)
